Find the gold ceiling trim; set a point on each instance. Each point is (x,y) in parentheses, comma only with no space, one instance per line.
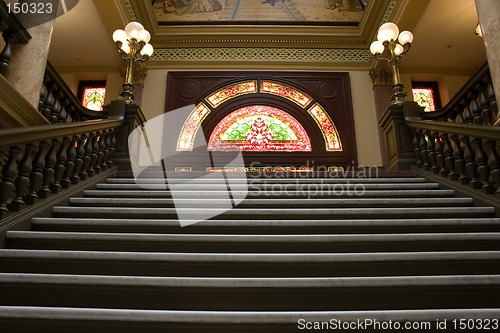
(274,55)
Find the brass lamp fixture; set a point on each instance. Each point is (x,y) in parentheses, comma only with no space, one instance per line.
(387,42)
(133,45)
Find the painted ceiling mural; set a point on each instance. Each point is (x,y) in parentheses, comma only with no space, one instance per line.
(340,12)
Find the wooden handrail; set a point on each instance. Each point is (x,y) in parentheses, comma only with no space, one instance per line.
(413,112)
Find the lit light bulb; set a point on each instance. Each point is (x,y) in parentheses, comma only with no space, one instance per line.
(119,35)
(126,48)
(387,32)
(398,49)
(377,47)
(147,50)
(144,36)
(132,29)
(405,37)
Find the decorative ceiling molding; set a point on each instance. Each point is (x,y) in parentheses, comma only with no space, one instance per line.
(262,54)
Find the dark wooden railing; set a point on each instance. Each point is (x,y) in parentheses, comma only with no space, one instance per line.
(475,103)
(13,32)
(59,104)
(460,142)
(36,161)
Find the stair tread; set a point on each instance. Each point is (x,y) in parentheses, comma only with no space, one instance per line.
(249,257)
(255,282)
(267,180)
(238,317)
(229,238)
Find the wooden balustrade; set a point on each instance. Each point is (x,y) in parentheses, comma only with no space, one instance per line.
(13,32)
(466,152)
(59,105)
(42,160)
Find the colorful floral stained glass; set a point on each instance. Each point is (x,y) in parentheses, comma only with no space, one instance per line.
(425,98)
(93,98)
(259,128)
(193,122)
(235,90)
(290,93)
(325,123)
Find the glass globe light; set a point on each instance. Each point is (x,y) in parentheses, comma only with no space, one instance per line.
(377,47)
(387,32)
(144,36)
(405,37)
(398,49)
(119,35)
(126,48)
(147,50)
(132,29)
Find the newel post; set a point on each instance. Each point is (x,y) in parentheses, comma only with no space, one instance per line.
(399,139)
(129,113)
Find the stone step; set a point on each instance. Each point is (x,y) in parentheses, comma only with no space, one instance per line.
(274,213)
(284,226)
(269,193)
(76,320)
(250,264)
(291,187)
(208,202)
(250,294)
(267,180)
(139,242)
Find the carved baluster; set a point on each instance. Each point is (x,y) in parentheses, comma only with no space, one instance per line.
(93,155)
(80,153)
(48,102)
(99,152)
(112,148)
(43,95)
(470,164)
(449,162)
(458,156)
(56,108)
(9,173)
(22,180)
(6,54)
(102,149)
(483,170)
(107,149)
(60,166)
(63,115)
(431,152)
(36,176)
(416,147)
(86,158)
(468,116)
(440,167)
(475,108)
(48,171)
(490,92)
(494,164)
(70,163)
(485,104)
(424,152)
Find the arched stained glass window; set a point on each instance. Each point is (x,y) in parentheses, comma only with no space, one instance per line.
(235,90)
(328,129)
(288,92)
(259,128)
(193,122)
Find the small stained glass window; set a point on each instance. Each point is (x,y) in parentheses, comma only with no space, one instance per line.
(92,94)
(426,94)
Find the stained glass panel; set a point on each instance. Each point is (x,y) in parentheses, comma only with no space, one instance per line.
(193,122)
(260,169)
(325,123)
(232,91)
(93,98)
(425,98)
(259,128)
(287,92)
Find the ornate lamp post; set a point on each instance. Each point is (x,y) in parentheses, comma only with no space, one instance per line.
(133,45)
(388,37)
